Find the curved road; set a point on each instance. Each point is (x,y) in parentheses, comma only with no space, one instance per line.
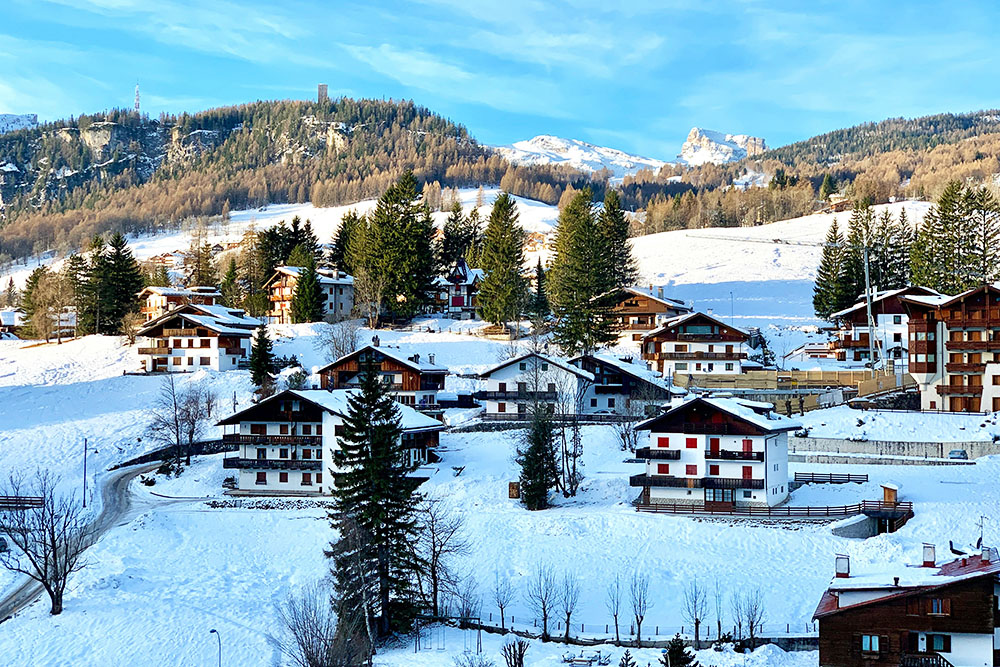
(116,510)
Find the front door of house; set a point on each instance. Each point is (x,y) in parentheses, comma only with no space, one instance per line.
(719,500)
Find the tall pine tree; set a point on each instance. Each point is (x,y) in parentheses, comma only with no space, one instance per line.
(122,282)
(307,299)
(936,257)
(503,289)
(232,294)
(828,293)
(622,269)
(375,496)
(339,254)
(537,459)
(261,358)
(540,300)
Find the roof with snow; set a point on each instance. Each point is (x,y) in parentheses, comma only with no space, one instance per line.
(325,276)
(756,413)
(637,371)
(895,580)
(336,402)
(419,363)
(220,319)
(179,291)
(911,291)
(681,319)
(461,274)
(11,318)
(558,363)
(655,292)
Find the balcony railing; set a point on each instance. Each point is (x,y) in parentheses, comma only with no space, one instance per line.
(515,395)
(655,453)
(159,351)
(965,389)
(956,367)
(707,336)
(732,455)
(235,463)
(695,482)
(958,345)
(699,356)
(923,660)
(263,440)
(972,322)
(180,332)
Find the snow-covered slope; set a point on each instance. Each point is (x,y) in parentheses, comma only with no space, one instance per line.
(10,121)
(546,149)
(704,146)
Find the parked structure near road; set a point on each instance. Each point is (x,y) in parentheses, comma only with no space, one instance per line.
(193,337)
(715,453)
(516,386)
(286,443)
(618,383)
(337,286)
(456,294)
(931,615)
(641,309)
(890,337)
(695,344)
(412,380)
(955,349)
(158,300)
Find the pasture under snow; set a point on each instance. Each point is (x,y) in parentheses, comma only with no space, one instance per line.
(177,568)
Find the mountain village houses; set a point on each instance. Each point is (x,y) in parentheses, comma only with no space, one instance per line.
(715,453)
(337,287)
(514,387)
(619,385)
(455,293)
(286,443)
(929,615)
(639,310)
(157,300)
(193,337)
(696,344)
(413,380)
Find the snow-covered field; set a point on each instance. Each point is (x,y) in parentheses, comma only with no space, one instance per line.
(155,587)
(845,422)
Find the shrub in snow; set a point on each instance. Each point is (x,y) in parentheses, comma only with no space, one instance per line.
(677,654)
(470,660)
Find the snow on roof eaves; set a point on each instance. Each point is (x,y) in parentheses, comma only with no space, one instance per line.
(654,294)
(885,295)
(680,319)
(422,366)
(176,291)
(336,402)
(741,409)
(555,362)
(913,576)
(635,370)
(324,276)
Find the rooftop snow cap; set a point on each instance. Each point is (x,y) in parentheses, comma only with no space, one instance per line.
(930,558)
(987,554)
(843,566)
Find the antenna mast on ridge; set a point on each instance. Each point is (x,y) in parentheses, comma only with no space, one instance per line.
(137,97)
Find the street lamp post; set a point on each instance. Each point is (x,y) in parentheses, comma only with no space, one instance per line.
(215,632)
(85,473)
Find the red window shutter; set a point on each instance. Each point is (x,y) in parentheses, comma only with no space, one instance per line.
(747,445)
(662,468)
(713,444)
(946,606)
(747,472)
(713,469)
(501,407)
(663,441)
(692,443)
(457,301)
(691,470)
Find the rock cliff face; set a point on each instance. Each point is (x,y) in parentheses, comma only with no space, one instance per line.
(704,146)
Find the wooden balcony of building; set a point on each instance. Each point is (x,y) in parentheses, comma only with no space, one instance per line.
(696,356)
(923,660)
(971,322)
(861,340)
(964,389)
(732,455)
(965,345)
(518,395)
(159,350)
(264,440)
(645,480)
(236,463)
(180,333)
(956,367)
(658,454)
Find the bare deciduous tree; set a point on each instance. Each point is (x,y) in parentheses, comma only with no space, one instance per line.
(368,292)
(472,660)
(752,607)
(503,595)
(48,540)
(636,409)
(130,326)
(439,542)
(338,339)
(736,609)
(613,601)
(717,598)
(470,603)
(639,597)
(197,405)
(312,636)
(695,608)
(165,423)
(541,595)
(569,597)
(513,652)
(50,298)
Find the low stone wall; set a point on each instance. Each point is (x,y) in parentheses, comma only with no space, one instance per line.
(858,527)
(939,450)
(805,457)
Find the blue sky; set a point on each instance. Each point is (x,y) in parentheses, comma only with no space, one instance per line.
(635,75)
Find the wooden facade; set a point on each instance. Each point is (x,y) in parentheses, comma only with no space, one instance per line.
(695,343)
(412,381)
(639,310)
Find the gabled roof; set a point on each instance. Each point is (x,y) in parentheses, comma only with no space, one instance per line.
(912,290)
(757,414)
(558,363)
(336,402)
(681,319)
(462,275)
(220,319)
(325,276)
(637,371)
(902,581)
(653,292)
(945,300)
(421,366)
(178,291)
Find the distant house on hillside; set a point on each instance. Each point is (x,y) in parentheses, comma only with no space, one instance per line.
(641,309)
(337,287)
(11,321)
(516,386)
(286,443)
(891,322)
(413,380)
(193,337)
(926,615)
(157,300)
(696,343)
(618,383)
(715,453)
(455,294)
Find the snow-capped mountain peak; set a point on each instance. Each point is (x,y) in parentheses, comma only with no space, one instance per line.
(703,146)
(547,149)
(10,121)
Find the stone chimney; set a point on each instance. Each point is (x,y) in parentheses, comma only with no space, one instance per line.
(987,554)
(930,557)
(415,358)
(843,566)
(430,357)
(659,291)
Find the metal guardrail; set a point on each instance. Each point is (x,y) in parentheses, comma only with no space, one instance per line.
(782,511)
(9,503)
(235,463)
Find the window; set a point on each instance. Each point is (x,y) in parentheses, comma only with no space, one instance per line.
(713,469)
(319,454)
(307,429)
(522,366)
(711,367)
(729,367)
(897,338)
(307,479)
(319,478)
(283,477)
(258,429)
(663,441)
(283,429)
(204,342)
(681,366)
(939,643)
(190,361)
(897,319)
(283,453)
(939,606)
(552,387)
(501,407)
(691,470)
(261,478)
(611,402)
(307,454)
(691,443)
(261,453)
(869,643)
(593,402)
(177,361)
(662,468)
(204,361)
(545,366)
(747,494)
(319,429)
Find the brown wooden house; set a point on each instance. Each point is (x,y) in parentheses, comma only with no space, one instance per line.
(913,616)
(413,380)
(195,337)
(641,309)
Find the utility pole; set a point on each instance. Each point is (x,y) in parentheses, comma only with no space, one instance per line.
(871,320)
(85,473)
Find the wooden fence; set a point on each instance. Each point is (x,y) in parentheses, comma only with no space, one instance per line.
(780,512)
(829,478)
(8,503)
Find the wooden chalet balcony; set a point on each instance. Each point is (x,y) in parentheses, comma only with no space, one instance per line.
(695,482)
(159,350)
(656,453)
(697,356)
(262,440)
(850,341)
(636,326)
(955,367)
(732,455)
(515,395)
(180,332)
(972,322)
(711,337)
(923,660)
(961,345)
(235,463)
(965,389)
(238,351)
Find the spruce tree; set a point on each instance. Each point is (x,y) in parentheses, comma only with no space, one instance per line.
(627,660)
(339,253)
(455,240)
(935,258)
(375,496)
(31,284)
(261,358)
(158,277)
(307,299)
(474,253)
(859,241)
(678,654)
(503,288)
(828,294)
(622,269)
(983,212)
(122,283)
(232,294)
(540,300)
(300,256)
(10,294)
(537,460)
(827,188)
